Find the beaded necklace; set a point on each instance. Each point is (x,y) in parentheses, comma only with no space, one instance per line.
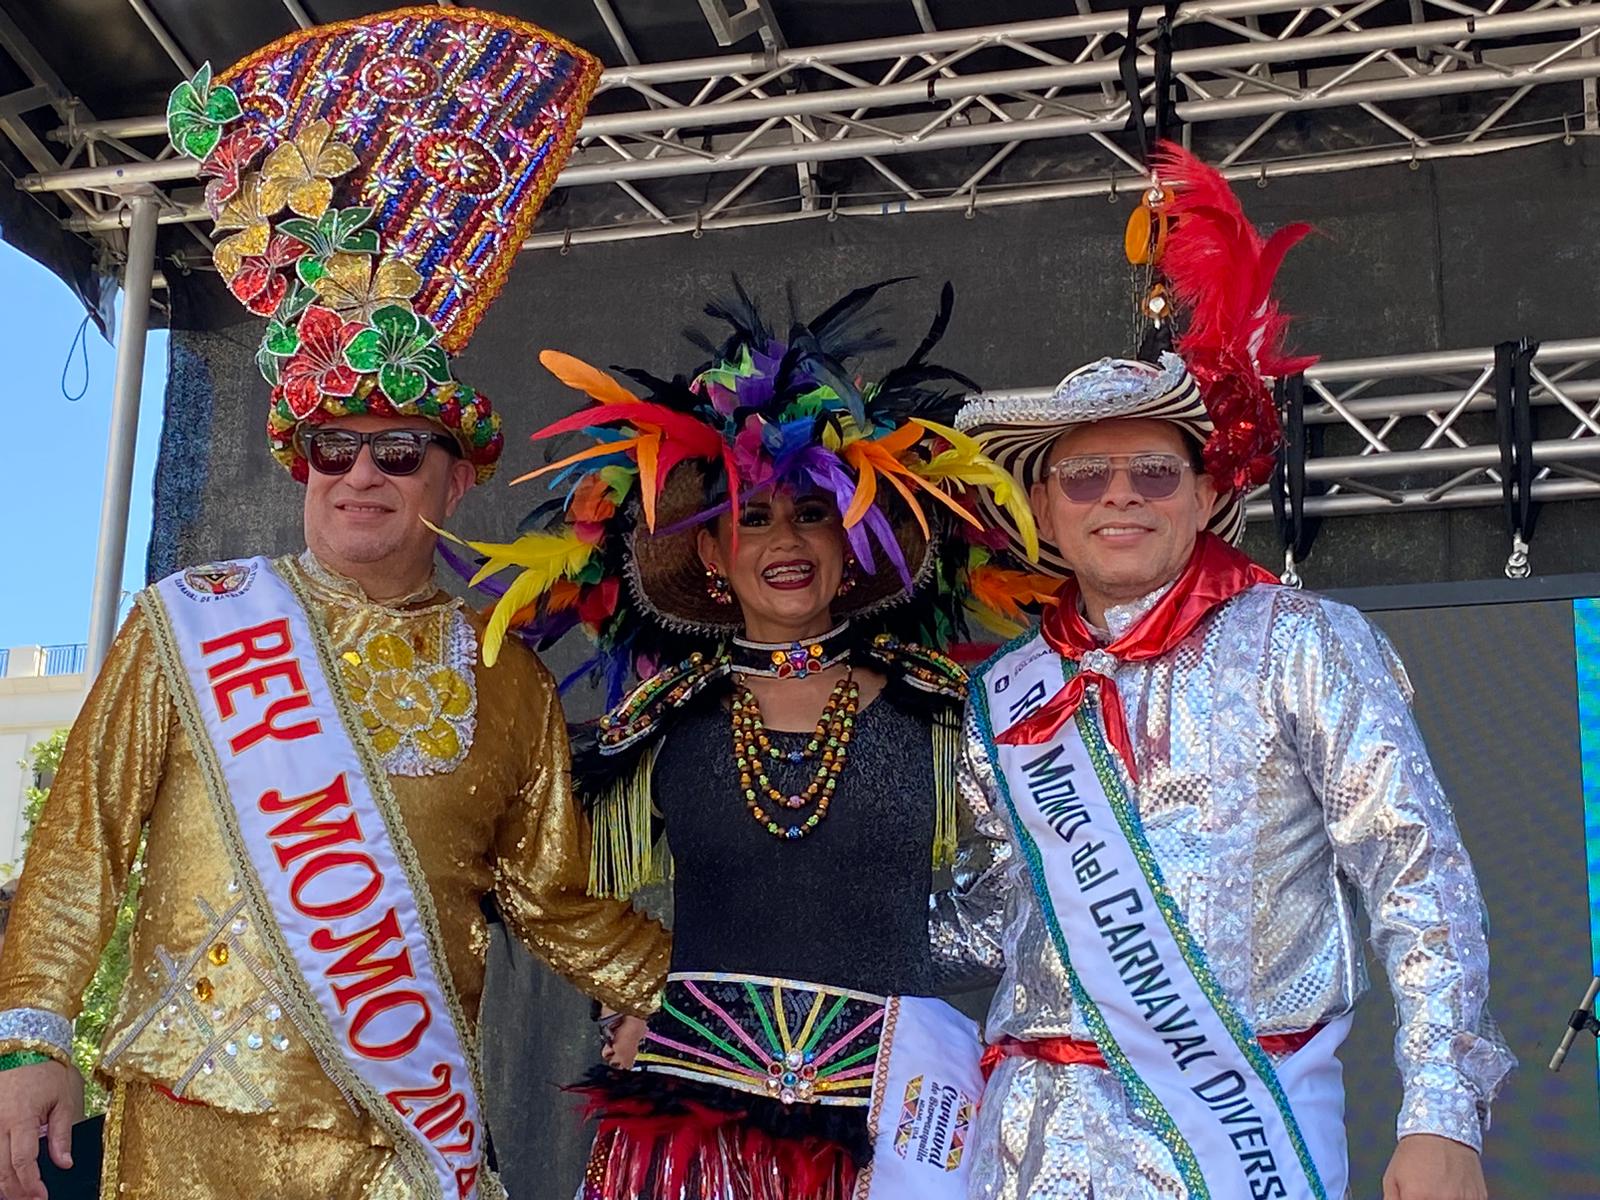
(829,745)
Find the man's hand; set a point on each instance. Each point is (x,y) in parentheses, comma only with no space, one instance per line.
(1428,1167)
(620,1038)
(32,1099)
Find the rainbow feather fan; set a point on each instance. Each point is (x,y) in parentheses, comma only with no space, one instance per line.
(765,412)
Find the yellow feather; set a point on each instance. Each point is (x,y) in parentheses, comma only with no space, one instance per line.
(966,461)
(546,558)
(534,551)
(521,593)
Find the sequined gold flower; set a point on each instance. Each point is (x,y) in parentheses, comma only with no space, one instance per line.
(245,213)
(403,701)
(355,288)
(297,173)
(417,711)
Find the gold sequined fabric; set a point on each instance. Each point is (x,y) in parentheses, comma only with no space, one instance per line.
(1281,777)
(160,1149)
(202,1012)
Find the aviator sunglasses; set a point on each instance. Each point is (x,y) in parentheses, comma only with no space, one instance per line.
(394,451)
(1084,478)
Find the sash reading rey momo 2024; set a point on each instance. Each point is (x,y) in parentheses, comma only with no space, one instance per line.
(325,862)
(1184,1053)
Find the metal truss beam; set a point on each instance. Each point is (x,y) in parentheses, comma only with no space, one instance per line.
(1417,438)
(1048,81)
(1433,447)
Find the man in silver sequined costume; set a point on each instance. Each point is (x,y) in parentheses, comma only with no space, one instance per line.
(1280,777)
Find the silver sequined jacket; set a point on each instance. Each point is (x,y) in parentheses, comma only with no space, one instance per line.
(1281,776)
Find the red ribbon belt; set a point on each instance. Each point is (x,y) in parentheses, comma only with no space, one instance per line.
(1070,1052)
(1215,574)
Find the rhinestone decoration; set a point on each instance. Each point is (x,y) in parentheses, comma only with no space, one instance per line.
(36,1025)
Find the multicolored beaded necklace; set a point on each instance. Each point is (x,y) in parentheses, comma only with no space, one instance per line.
(829,744)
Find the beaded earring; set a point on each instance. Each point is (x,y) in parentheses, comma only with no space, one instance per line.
(849,578)
(717,586)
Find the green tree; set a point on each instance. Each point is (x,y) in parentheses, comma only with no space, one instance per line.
(100,1000)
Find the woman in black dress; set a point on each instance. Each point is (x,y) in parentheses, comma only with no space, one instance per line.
(778,547)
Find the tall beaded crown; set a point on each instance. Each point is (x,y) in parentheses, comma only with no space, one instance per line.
(371,183)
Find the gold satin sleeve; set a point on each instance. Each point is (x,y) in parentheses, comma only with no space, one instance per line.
(604,947)
(84,844)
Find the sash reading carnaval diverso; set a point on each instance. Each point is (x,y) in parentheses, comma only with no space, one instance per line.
(1185,1055)
(325,862)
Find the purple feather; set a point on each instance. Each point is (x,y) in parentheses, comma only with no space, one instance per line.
(458,563)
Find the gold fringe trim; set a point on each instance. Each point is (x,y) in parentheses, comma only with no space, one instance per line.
(947,749)
(624,856)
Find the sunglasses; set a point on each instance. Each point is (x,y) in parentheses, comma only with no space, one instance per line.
(394,451)
(1085,478)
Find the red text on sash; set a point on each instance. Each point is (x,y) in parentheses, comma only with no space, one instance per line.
(271,646)
(318,837)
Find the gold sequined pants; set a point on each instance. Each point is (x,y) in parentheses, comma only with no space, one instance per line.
(160,1149)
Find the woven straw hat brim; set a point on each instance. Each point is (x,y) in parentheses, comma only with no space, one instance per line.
(1018,431)
(668,580)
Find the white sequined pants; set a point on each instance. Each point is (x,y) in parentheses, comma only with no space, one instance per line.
(1048,1132)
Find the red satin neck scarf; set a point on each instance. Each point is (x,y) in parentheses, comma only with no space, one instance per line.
(1216,573)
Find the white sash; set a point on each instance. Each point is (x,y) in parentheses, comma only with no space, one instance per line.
(925,1096)
(1177,1042)
(348,917)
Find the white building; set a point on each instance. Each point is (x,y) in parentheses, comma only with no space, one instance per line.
(41,690)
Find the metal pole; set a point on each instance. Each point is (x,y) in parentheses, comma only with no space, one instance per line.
(124,428)
(1477,496)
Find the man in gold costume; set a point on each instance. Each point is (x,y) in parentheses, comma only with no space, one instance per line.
(326,777)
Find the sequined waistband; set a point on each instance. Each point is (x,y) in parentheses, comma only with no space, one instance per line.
(785,1039)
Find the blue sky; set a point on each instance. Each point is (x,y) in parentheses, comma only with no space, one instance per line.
(53,459)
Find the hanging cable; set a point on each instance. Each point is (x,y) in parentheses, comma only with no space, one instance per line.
(1296,531)
(1514,420)
(80,344)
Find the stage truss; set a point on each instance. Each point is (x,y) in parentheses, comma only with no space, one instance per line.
(888,126)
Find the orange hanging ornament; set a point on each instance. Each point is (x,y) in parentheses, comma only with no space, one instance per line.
(1145,238)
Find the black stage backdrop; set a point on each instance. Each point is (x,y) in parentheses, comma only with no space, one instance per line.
(1449,255)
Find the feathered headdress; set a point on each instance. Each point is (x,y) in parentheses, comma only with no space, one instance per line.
(1212,275)
(613,550)
(1220,271)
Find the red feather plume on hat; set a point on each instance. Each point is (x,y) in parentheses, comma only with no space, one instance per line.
(1220,271)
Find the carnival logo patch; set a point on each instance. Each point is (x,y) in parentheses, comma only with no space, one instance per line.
(214,581)
(934,1119)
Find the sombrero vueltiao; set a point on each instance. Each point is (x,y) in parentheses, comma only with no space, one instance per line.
(1216,389)
(1017,431)
(668,580)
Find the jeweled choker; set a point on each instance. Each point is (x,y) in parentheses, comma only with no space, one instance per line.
(790,660)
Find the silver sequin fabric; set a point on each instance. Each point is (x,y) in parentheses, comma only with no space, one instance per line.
(1281,777)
